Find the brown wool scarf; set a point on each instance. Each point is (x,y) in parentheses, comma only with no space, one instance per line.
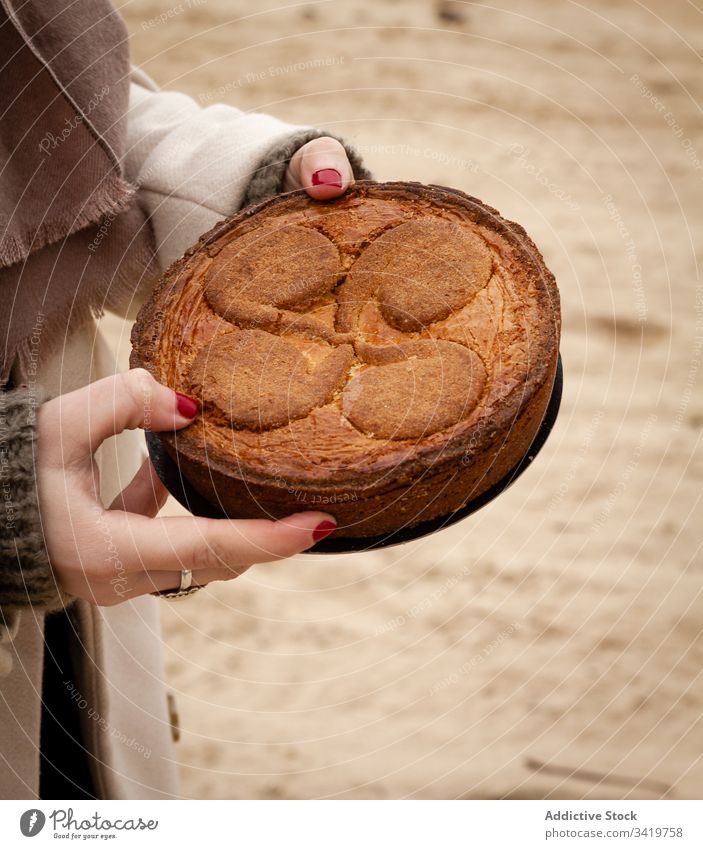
(73,238)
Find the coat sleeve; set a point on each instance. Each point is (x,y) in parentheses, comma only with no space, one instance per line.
(26,577)
(195,165)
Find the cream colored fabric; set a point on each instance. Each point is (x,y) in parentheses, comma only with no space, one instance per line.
(192,167)
(125,720)
(20,707)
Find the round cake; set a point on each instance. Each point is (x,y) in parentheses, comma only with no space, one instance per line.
(385,357)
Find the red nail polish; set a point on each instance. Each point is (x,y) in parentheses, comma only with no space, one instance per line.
(327,177)
(324,529)
(186,406)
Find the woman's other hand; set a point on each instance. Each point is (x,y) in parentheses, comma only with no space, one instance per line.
(110,555)
(321,167)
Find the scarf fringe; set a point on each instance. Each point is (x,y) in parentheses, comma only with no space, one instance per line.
(115,295)
(115,196)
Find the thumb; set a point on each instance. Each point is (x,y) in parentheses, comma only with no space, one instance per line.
(81,420)
(322,168)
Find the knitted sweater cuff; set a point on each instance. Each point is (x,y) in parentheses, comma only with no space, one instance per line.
(26,577)
(269,176)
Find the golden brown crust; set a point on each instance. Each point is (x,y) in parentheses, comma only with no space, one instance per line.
(261,381)
(415,392)
(420,272)
(386,356)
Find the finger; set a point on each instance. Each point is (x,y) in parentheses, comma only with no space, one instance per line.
(322,168)
(144,494)
(188,542)
(83,419)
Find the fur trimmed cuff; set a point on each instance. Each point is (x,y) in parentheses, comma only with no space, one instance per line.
(269,176)
(26,577)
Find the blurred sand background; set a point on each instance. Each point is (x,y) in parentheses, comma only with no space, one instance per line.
(550,645)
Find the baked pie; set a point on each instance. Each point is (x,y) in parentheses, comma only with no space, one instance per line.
(386,356)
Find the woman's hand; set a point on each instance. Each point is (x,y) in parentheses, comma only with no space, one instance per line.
(109,555)
(321,167)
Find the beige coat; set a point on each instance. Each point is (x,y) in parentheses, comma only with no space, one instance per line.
(125,720)
(192,166)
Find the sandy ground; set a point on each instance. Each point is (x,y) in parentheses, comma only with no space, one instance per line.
(551,645)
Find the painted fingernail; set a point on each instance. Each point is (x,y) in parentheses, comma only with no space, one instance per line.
(324,529)
(187,407)
(327,177)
